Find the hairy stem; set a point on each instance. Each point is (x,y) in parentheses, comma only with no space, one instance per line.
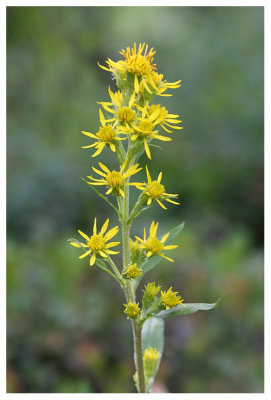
(130,293)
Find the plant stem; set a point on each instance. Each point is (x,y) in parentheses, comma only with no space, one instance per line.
(139,357)
(129,291)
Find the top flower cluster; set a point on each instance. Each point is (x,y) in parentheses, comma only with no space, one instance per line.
(130,115)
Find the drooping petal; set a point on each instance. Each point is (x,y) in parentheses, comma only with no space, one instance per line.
(147,149)
(75,244)
(92,259)
(89,134)
(85,254)
(100,149)
(161,204)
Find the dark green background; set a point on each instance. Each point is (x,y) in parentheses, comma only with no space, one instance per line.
(66,330)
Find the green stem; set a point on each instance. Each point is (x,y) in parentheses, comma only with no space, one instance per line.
(129,290)
(139,357)
(115,269)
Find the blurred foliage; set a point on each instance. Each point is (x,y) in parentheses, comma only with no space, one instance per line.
(66,332)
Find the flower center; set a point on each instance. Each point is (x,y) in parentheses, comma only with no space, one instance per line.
(155,189)
(126,114)
(114,179)
(145,128)
(154,245)
(138,64)
(96,243)
(106,133)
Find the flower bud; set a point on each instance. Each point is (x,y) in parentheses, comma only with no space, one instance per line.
(151,357)
(132,310)
(150,293)
(132,272)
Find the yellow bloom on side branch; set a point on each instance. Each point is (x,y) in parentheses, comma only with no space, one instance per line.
(153,246)
(132,309)
(106,136)
(170,299)
(97,243)
(163,85)
(114,180)
(154,190)
(124,114)
(132,272)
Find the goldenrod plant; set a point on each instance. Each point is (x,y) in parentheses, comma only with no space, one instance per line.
(130,126)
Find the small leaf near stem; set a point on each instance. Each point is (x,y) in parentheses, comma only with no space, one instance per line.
(102,265)
(101,195)
(115,269)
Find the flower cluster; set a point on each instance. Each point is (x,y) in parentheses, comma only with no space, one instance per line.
(130,124)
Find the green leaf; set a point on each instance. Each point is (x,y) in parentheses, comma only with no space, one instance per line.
(151,262)
(153,335)
(103,266)
(189,308)
(101,195)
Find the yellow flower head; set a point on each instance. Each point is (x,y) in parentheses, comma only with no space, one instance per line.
(114,180)
(152,245)
(170,299)
(151,290)
(97,243)
(132,272)
(144,127)
(154,190)
(138,62)
(162,85)
(163,118)
(106,136)
(151,355)
(132,309)
(122,113)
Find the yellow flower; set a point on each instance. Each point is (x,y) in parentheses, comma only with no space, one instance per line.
(151,290)
(132,272)
(137,63)
(143,127)
(164,118)
(163,85)
(122,113)
(170,299)
(106,136)
(154,190)
(132,309)
(115,180)
(154,246)
(97,243)
(151,355)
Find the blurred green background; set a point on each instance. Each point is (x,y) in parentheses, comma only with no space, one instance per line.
(66,331)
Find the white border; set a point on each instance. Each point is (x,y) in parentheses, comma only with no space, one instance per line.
(117,396)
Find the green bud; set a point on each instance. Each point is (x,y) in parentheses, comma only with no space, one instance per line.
(150,293)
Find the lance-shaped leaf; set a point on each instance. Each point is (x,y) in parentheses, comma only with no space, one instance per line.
(151,262)
(189,308)
(153,335)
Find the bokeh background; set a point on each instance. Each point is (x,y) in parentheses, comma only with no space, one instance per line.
(66,331)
